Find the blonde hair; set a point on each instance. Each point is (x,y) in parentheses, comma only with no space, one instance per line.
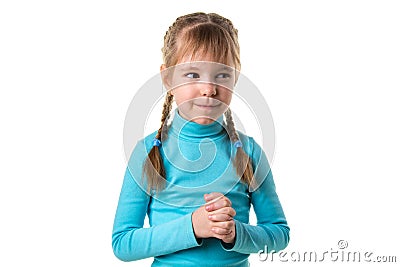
(188,36)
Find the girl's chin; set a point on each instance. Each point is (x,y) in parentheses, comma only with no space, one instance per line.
(202,117)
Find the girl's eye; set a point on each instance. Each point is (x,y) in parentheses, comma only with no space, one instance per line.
(192,75)
(223,76)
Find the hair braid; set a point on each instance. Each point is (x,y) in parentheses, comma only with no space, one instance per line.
(163,130)
(153,166)
(242,161)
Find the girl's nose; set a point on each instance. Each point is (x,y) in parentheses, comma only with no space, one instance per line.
(208,89)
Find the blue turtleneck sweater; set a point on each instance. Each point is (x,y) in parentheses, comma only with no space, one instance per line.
(197,160)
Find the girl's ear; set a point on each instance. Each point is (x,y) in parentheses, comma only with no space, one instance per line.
(165,77)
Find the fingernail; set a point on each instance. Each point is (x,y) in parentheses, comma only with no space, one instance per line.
(210,216)
(207,207)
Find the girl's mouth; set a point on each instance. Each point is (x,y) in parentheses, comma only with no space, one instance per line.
(207,106)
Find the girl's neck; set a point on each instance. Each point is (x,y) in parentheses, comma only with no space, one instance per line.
(186,129)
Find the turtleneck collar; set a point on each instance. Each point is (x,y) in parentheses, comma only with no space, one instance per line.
(193,131)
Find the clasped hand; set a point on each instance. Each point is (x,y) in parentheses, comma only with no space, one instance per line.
(215,218)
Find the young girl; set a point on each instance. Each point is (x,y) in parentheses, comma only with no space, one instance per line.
(196,177)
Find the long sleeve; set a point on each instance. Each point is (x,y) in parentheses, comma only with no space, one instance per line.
(131,241)
(271,231)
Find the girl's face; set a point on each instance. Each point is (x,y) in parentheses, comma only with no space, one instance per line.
(202,89)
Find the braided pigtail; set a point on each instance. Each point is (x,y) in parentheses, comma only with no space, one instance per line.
(153,166)
(242,161)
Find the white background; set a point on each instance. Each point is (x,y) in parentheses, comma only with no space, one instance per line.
(329,71)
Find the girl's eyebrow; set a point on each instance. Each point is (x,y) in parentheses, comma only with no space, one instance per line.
(225,68)
(188,67)
(191,68)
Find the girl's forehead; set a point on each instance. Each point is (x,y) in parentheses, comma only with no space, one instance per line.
(204,60)
(197,57)
(201,65)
